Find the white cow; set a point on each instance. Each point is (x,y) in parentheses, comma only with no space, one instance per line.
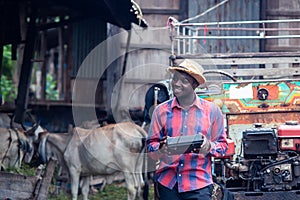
(14,145)
(102,151)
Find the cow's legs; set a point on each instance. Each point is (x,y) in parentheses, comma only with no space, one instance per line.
(130,183)
(74,174)
(85,187)
(140,185)
(103,185)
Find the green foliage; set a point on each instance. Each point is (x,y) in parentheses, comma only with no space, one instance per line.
(8,89)
(7,62)
(51,91)
(25,170)
(110,192)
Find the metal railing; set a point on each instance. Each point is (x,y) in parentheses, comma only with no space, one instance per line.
(184,36)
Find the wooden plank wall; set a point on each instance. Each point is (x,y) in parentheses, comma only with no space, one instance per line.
(281,9)
(149,53)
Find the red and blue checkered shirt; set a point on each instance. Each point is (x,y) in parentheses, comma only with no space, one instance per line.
(191,171)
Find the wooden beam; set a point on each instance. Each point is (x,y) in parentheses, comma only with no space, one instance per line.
(141,46)
(246,61)
(287,13)
(26,69)
(242,58)
(277,48)
(142,81)
(161,11)
(282,72)
(61,61)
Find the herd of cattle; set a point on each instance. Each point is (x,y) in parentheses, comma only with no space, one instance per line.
(81,153)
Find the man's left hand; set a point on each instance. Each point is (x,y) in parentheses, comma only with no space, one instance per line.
(205,147)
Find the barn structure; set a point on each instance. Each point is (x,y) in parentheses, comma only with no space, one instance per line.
(51,39)
(101,70)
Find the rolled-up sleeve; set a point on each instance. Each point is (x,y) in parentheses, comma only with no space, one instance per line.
(218,140)
(154,135)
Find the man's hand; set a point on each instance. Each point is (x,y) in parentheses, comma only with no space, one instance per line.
(163,144)
(205,147)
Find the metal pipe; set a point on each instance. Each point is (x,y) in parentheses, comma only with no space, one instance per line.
(178,42)
(237,22)
(245,29)
(239,37)
(184,42)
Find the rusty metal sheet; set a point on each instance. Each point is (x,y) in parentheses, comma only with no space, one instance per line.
(261,96)
(272,119)
(230,11)
(258,96)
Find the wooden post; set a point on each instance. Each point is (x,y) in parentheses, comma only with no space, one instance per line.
(67,72)
(41,82)
(60,71)
(26,69)
(46,181)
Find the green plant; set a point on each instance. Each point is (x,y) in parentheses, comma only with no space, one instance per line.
(51,91)
(7,63)
(110,192)
(8,89)
(25,170)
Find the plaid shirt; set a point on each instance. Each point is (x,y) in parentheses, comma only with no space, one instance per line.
(191,171)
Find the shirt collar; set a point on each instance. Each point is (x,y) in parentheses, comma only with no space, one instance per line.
(197,103)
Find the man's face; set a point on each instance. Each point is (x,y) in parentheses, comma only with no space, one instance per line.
(183,84)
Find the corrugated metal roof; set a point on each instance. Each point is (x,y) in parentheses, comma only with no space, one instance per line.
(236,10)
(86,36)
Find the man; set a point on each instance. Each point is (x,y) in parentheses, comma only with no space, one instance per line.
(188,175)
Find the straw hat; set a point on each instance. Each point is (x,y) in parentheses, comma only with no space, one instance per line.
(192,68)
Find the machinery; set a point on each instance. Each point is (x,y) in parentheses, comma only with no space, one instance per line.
(270,160)
(263,129)
(259,95)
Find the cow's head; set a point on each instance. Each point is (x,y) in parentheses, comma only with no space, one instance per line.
(16,145)
(33,135)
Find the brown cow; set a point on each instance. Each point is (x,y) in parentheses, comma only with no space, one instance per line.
(101,151)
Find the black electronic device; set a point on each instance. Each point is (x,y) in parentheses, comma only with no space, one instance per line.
(184,144)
